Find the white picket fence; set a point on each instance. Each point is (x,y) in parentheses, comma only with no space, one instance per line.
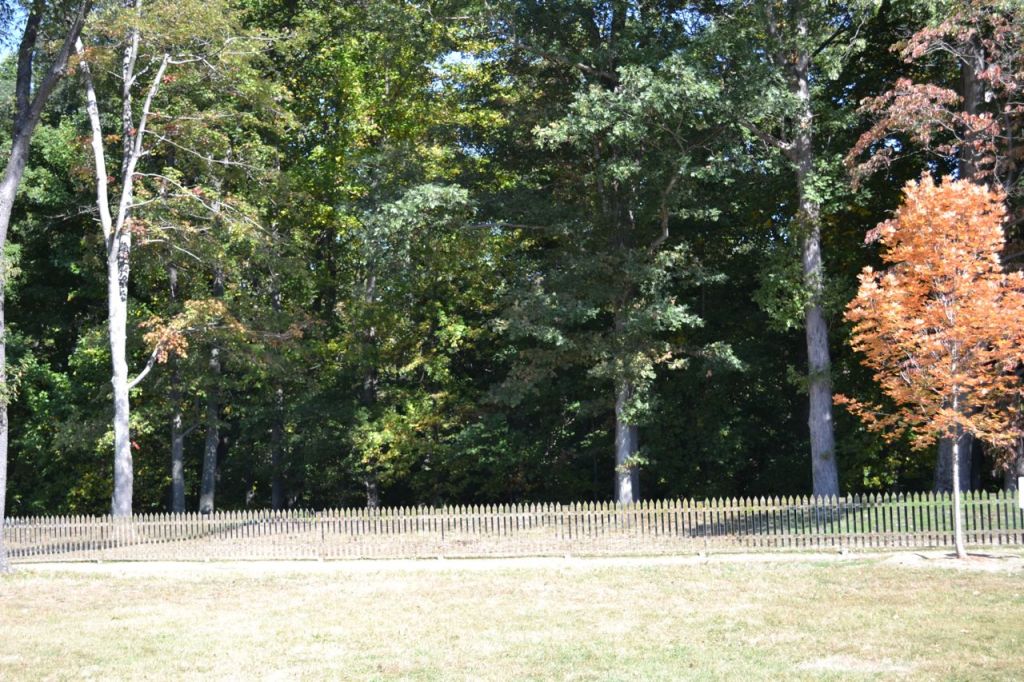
(654,527)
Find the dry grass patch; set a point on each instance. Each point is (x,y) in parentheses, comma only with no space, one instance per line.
(556,620)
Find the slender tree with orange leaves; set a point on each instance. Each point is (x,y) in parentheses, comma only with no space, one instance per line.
(943,325)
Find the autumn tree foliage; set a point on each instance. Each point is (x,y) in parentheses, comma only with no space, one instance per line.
(959,103)
(979,122)
(943,325)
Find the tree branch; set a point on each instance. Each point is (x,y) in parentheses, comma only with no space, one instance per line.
(99,159)
(831,39)
(136,151)
(499,224)
(769,139)
(610,77)
(664,213)
(60,63)
(26,53)
(145,370)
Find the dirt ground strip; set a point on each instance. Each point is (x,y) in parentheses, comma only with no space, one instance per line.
(987,561)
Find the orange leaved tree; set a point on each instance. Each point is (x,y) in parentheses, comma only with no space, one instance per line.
(943,325)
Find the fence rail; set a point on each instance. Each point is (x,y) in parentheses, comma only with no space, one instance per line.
(655,527)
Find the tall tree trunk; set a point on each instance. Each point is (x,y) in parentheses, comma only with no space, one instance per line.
(209,480)
(177,419)
(824,470)
(12,177)
(119,250)
(627,445)
(277,454)
(118,241)
(177,446)
(369,398)
(8,189)
(973,91)
(13,173)
(4,563)
(369,391)
(117,320)
(27,111)
(277,492)
(208,483)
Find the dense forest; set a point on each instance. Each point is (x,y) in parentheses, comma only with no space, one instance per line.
(318,253)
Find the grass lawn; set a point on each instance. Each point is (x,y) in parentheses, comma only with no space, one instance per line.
(798,618)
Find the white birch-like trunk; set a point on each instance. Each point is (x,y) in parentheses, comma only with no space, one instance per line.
(119,250)
(117,238)
(627,445)
(958,526)
(117,312)
(944,479)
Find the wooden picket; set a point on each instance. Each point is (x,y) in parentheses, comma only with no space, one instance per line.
(858,522)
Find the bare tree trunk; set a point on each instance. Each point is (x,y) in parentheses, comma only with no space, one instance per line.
(27,111)
(177,419)
(4,563)
(973,91)
(118,242)
(177,447)
(824,470)
(8,189)
(119,249)
(627,445)
(209,481)
(117,321)
(277,455)
(277,492)
(117,238)
(369,392)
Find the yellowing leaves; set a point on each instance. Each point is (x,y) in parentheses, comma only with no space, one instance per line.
(943,325)
(171,337)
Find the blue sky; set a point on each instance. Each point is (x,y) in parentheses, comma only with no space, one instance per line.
(10,33)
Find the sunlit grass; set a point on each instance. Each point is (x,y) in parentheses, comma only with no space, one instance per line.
(574,620)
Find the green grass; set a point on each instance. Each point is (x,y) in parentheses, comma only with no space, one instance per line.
(799,619)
